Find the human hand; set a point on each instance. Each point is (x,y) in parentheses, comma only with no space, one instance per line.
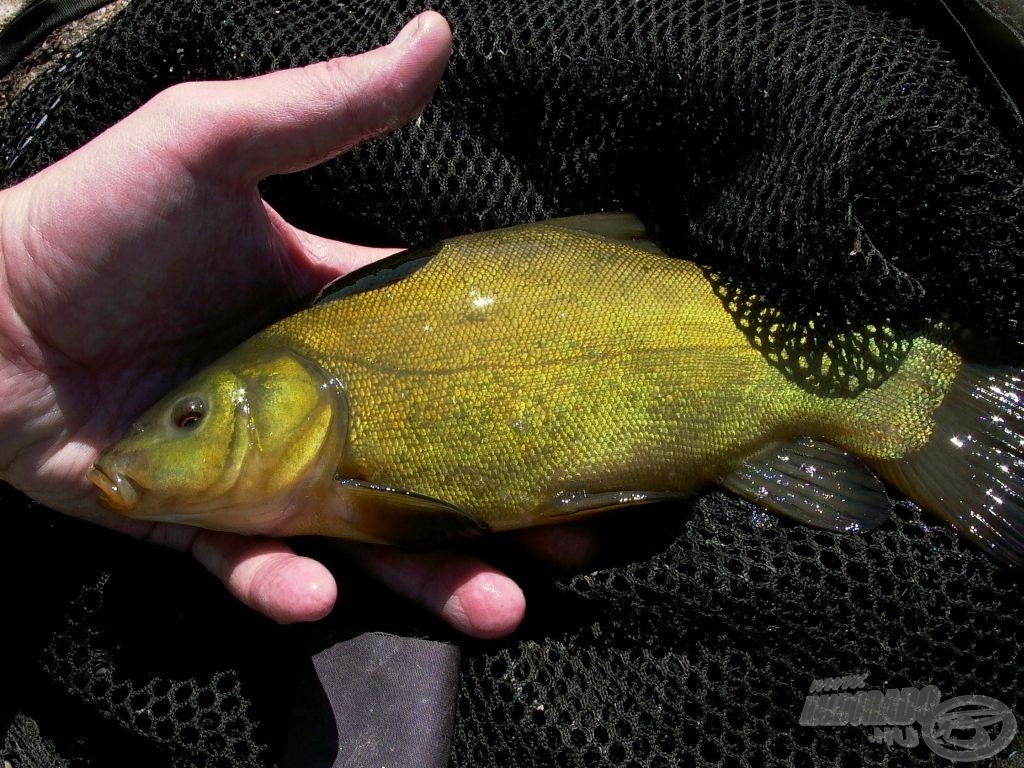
(146,253)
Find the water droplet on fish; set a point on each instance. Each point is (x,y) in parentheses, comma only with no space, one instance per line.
(479,304)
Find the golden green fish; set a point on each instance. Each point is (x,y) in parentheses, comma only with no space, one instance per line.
(543,372)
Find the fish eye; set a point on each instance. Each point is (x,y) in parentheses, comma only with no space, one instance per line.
(188,412)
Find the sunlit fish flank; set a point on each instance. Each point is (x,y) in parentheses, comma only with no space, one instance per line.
(540,373)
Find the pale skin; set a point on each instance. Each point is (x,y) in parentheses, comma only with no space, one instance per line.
(127,265)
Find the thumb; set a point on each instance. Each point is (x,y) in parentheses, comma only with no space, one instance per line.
(296,118)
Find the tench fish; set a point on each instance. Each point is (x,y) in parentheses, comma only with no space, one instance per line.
(543,372)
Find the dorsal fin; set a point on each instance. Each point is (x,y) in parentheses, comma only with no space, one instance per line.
(615,225)
(391,269)
(618,225)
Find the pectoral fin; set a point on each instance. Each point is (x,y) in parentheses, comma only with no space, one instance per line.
(581,503)
(814,483)
(383,515)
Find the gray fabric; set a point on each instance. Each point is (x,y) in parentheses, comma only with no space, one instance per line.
(376,700)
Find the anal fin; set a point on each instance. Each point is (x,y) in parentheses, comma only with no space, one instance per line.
(814,483)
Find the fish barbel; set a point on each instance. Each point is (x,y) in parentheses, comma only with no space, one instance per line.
(544,372)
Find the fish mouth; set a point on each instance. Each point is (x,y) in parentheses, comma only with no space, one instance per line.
(118,492)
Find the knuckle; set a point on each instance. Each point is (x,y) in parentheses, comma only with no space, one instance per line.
(331,80)
(179,98)
(193,122)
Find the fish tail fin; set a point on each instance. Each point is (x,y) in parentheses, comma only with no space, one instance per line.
(971,471)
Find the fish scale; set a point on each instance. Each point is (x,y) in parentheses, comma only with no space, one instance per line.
(550,371)
(622,368)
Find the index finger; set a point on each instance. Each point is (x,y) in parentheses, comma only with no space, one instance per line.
(268,576)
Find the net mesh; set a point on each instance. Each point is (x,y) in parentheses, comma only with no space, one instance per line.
(834,160)
(640,675)
(205,718)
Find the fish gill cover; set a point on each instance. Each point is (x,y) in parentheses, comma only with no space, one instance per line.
(834,162)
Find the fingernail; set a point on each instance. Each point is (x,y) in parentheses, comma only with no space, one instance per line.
(409,32)
(455,614)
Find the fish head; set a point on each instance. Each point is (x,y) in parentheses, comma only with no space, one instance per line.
(234,448)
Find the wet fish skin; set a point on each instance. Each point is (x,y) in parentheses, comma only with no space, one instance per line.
(507,379)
